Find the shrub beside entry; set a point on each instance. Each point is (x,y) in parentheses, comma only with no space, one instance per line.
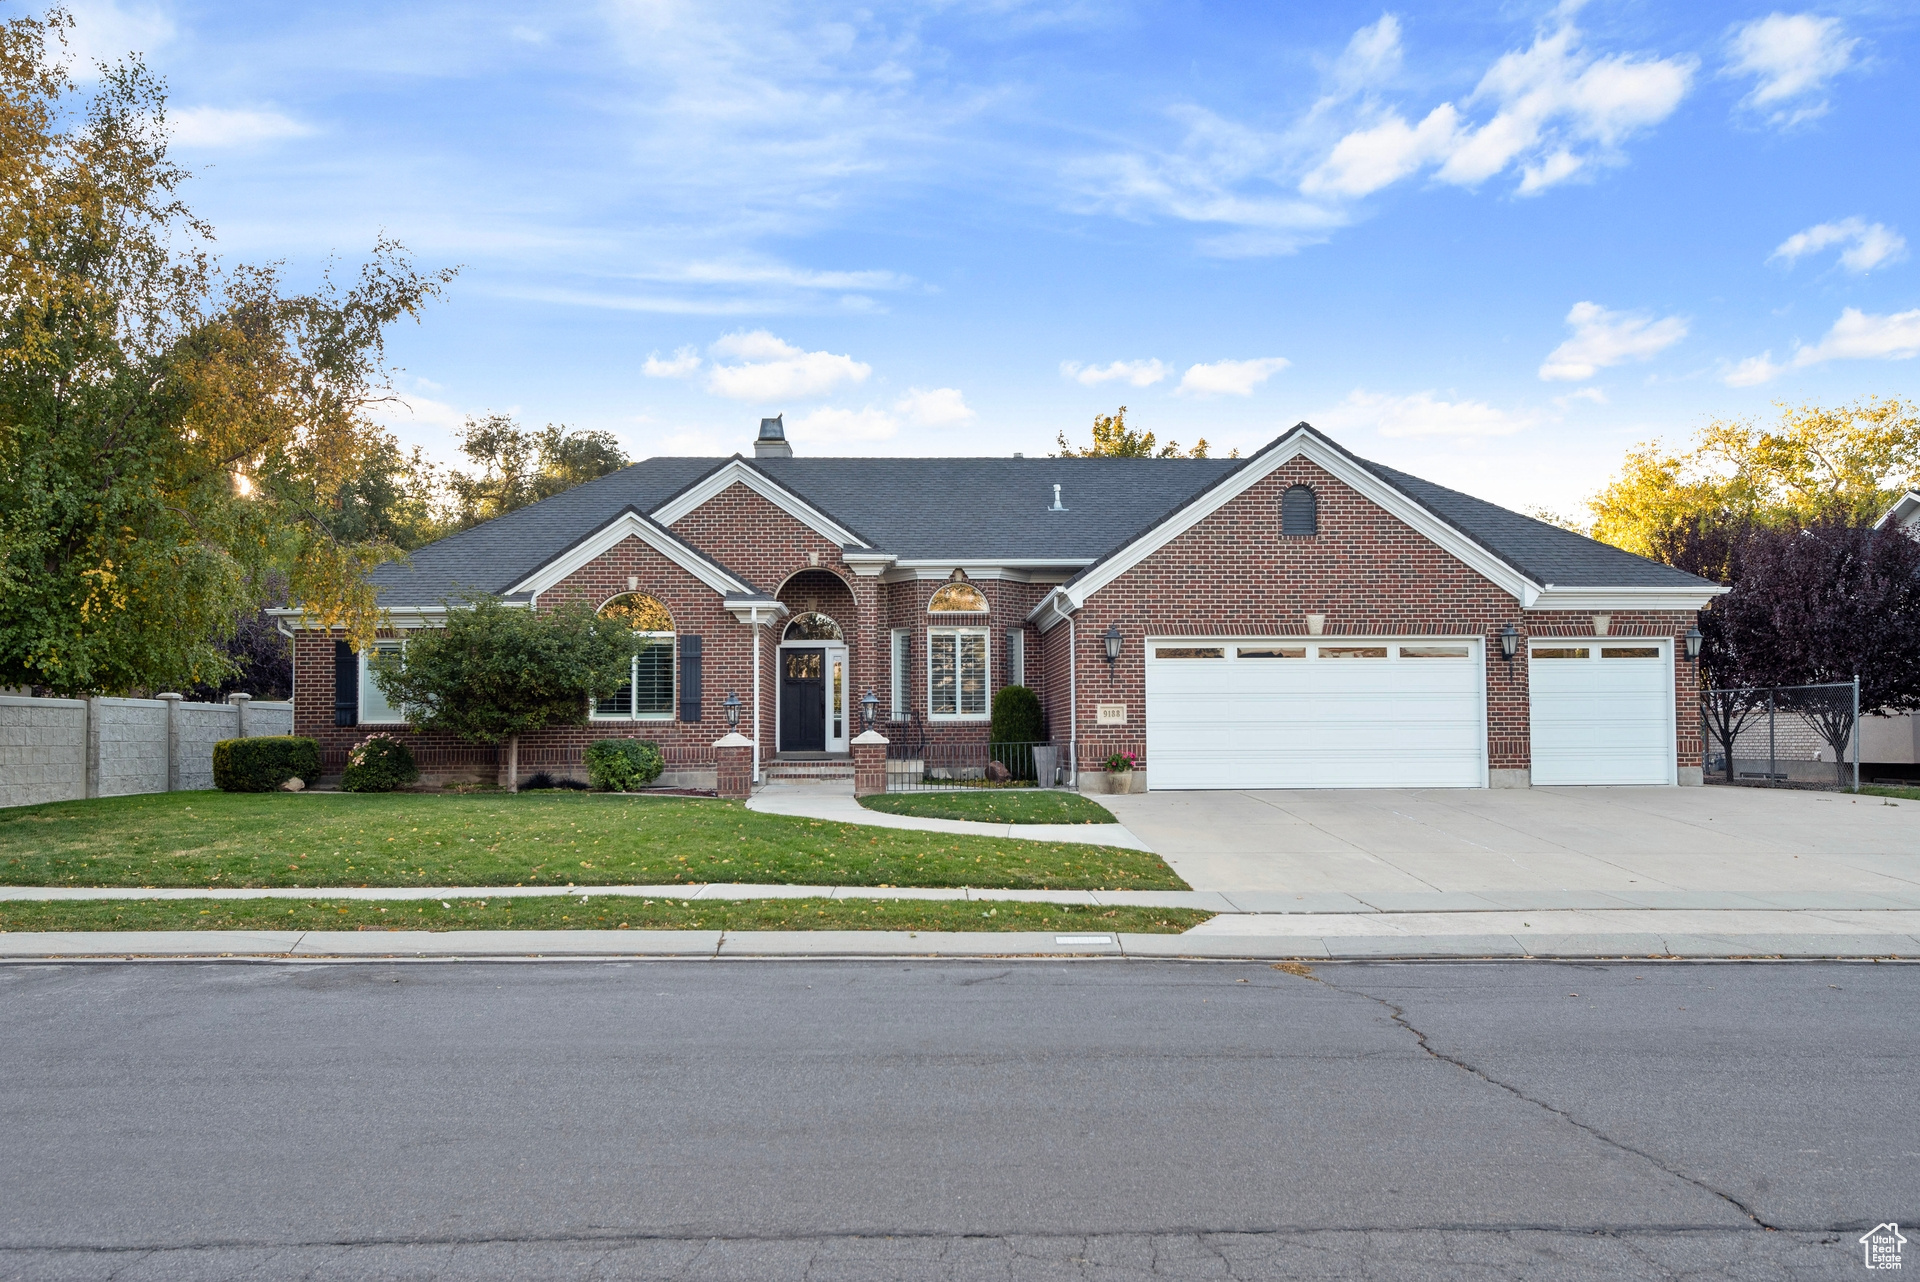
(263,764)
(624,765)
(378,763)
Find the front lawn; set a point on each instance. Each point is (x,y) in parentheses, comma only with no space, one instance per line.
(603,912)
(500,839)
(995,806)
(1880,790)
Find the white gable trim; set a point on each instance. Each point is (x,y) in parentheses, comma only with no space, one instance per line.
(631,525)
(739,472)
(1298,443)
(1610,599)
(1905,513)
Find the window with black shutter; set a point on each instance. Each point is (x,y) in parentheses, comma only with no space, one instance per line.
(1299,513)
(689,678)
(346,685)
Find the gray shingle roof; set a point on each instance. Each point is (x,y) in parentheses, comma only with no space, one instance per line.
(1545,553)
(974,509)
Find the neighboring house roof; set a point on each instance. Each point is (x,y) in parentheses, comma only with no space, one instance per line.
(1001,511)
(1905,513)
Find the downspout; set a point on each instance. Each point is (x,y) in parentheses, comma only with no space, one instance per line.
(756,694)
(1073,703)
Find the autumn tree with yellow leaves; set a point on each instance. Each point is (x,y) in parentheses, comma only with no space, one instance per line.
(1112,438)
(1813,465)
(174,434)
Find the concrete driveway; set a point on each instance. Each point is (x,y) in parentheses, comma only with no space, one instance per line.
(1635,840)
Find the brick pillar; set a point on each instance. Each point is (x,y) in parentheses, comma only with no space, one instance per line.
(869,764)
(735,757)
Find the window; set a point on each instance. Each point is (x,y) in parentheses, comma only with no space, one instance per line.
(902,651)
(1353,652)
(1272,652)
(1629,651)
(811,627)
(1434,652)
(374,707)
(1016,656)
(1189,652)
(962,598)
(648,692)
(1563,652)
(1299,512)
(957,673)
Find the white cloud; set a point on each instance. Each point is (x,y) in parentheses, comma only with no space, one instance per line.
(1860,336)
(1373,55)
(1602,338)
(938,407)
(1592,395)
(1139,373)
(1424,415)
(1234,378)
(1557,110)
(105,32)
(1856,336)
(1791,57)
(1753,371)
(828,426)
(681,364)
(1869,245)
(772,369)
(231,127)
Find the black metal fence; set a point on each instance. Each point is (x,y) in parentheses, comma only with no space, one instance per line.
(1806,735)
(940,767)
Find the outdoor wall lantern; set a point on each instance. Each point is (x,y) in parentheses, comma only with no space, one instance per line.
(869,704)
(1509,643)
(1693,640)
(732,706)
(1112,638)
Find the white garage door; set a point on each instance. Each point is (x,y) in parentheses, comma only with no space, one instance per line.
(1602,711)
(1312,713)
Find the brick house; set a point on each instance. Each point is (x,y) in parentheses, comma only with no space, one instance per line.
(1298,618)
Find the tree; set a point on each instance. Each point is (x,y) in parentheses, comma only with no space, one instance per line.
(1847,464)
(394,497)
(171,432)
(520,467)
(1822,605)
(1112,438)
(497,672)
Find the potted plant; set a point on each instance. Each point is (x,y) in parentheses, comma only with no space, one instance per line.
(1120,773)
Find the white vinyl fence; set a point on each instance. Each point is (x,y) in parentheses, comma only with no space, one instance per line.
(66,749)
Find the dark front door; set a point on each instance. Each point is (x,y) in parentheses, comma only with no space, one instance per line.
(803,701)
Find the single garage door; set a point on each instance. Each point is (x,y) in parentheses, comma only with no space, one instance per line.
(1602,711)
(1294,713)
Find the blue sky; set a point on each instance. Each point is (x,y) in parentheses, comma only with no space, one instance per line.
(1494,244)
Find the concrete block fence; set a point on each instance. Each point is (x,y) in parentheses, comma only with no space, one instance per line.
(67,749)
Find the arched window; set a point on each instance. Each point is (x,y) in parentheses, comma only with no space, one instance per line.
(959,597)
(1299,512)
(648,693)
(812,627)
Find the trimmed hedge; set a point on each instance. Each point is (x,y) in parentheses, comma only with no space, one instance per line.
(263,764)
(624,765)
(378,763)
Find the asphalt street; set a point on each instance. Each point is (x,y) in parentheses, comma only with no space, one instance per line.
(953,1120)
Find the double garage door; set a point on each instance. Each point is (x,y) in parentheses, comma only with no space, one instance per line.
(1396,713)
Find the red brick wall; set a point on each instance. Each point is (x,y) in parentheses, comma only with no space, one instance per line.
(1367,571)
(904,605)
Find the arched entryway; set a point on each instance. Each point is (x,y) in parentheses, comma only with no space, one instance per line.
(814,687)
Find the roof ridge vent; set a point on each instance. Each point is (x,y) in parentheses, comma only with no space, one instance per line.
(772,441)
(1058,506)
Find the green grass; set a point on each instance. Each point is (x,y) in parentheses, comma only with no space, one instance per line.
(219,839)
(1905,794)
(604,912)
(996,806)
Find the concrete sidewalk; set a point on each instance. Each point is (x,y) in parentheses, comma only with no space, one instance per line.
(832,800)
(1885,935)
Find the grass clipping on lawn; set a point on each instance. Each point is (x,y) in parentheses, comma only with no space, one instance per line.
(602,912)
(214,839)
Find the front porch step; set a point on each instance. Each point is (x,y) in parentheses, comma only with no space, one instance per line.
(810,766)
